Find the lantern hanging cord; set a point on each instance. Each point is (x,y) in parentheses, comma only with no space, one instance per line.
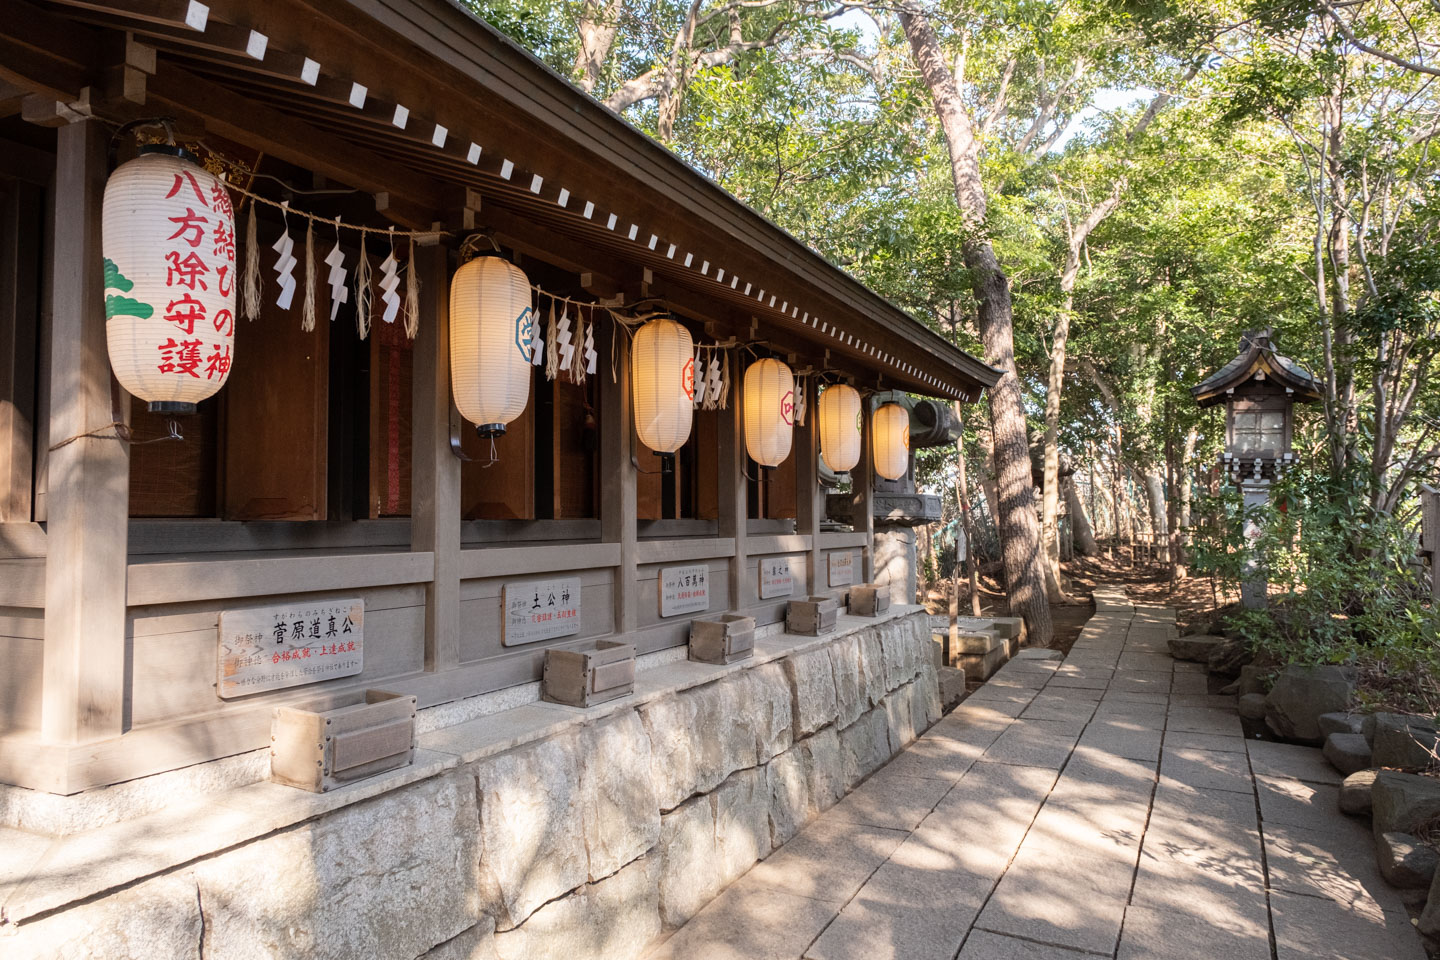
(422,235)
(123,433)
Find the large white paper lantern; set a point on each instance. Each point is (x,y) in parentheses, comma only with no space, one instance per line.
(168,236)
(769,412)
(662,375)
(492,333)
(891,427)
(840,427)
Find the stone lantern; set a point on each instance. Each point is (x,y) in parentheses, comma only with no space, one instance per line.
(1259,388)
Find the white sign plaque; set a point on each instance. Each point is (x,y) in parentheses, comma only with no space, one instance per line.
(842,568)
(541,610)
(684,590)
(269,648)
(776,579)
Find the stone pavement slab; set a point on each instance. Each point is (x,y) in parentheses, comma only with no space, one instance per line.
(1104,806)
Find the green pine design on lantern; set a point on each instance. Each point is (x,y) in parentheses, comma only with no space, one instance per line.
(122,306)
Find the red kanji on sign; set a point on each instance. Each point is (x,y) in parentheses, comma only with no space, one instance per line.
(218,364)
(182,357)
(180,183)
(224,322)
(189,225)
(224,281)
(184,312)
(185,272)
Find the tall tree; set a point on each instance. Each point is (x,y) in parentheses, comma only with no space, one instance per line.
(1019,526)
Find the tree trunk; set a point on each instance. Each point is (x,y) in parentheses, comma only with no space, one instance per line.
(1080,526)
(1182,542)
(1019,525)
(962,491)
(1159,515)
(597,23)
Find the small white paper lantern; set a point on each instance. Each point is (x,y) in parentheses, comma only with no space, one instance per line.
(168,236)
(662,374)
(492,334)
(891,427)
(840,427)
(769,412)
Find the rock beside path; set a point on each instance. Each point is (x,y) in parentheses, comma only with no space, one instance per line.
(1401,802)
(1252,706)
(1341,723)
(1302,694)
(1403,741)
(1347,752)
(1196,648)
(1355,793)
(1404,861)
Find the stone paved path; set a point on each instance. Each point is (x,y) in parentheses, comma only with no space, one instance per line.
(1103,806)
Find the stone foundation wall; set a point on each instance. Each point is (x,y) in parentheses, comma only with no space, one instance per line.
(588,844)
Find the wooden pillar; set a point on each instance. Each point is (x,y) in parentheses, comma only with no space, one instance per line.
(618,477)
(435,472)
(734,495)
(89,476)
(861,487)
(810,499)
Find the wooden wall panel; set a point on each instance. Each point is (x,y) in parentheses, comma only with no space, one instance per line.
(22,652)
(22,237)
(707,465)
(276,416)
(648,592)
(780,489)
(480,613)
(574,463)
(392,356)
(174,478)
(505,489)
(174,649)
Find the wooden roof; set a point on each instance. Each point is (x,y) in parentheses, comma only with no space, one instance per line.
(452,116)
(1258,359)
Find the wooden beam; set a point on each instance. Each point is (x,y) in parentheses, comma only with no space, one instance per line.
(89,468)
(45,54)
(810,497)
(733,493)
(862,486)
(618,481)
(190,14)
(435,474)
(296,141)
(21,212)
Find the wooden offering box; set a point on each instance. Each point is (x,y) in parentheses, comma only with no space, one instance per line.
(723,639)
(583,678)
(812,616)
(318,750)
(869,600)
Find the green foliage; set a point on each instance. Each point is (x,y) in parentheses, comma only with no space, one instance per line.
(1344,587)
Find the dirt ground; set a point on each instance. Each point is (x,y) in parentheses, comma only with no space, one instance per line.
(1193,598)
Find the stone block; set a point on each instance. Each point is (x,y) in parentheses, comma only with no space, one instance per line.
(975,642)
(765,697)
(827,769)
(1251,706)
(613,919)
(1404,741)
(1401,802)
(1301,694)
(1347,752)
(901,656)
(1340,723)
(872,666)
(952,687)
(157,919)
(742,822)
(532,835)
(812,690)
(686,855)
(1404,861)
(1227,659)
(865,745)
(791,804)
(477,943)
(925,698)
(982,666)
(849,680)
(1197,647)
(1039,653)
(389,877)
(899,718)
(1355,793)
(618,806)
(1253,680)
